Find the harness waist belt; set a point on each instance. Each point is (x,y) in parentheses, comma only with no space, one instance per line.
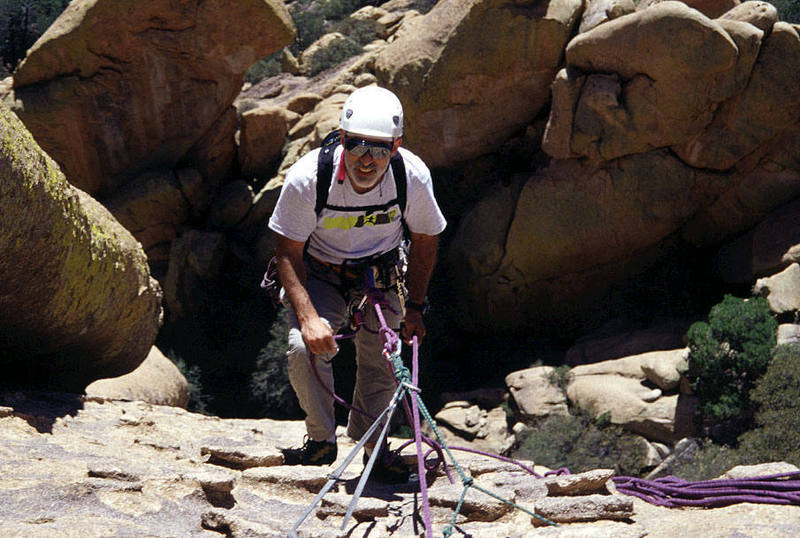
(354,269)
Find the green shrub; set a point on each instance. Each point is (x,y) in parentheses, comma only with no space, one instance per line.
(198,399)
(560,377)
(788,10)
(728,354)
(264,68)
(337,52)
(777,394)
(269,384)
(712,461)
(582,443)
(776,436)
(361,32)
(310,27)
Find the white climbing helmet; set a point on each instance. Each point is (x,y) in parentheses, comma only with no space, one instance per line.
(374,112)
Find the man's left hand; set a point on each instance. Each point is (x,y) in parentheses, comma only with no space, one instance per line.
(413,326)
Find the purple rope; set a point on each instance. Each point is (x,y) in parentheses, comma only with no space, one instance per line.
(332,394)
(498,457)
(421,470)
(670,491)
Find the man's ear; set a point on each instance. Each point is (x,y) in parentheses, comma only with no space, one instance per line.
(396,146)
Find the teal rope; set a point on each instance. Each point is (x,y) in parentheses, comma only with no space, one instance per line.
(516,506)
(452,526)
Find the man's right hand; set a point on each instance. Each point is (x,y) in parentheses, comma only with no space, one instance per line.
(318,336)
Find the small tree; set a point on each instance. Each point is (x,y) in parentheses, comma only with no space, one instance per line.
(788,10)
(198,399)
(726,357)
(22,22)
(269,384)
(581,443)
(777,394)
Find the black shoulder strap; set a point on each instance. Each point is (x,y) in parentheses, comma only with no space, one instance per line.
(400,181)
(325,169)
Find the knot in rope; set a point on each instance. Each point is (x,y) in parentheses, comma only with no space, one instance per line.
(403,375)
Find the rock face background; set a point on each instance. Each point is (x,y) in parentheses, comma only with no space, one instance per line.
(607,170)
(663,138)
(134,105)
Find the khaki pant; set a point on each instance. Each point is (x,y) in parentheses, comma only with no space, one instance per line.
(375,383)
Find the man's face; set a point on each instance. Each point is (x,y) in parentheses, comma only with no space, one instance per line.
(366,160)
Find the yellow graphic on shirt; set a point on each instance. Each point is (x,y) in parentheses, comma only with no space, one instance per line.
(360,221)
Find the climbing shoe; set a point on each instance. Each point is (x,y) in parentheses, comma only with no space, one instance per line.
(389,468)
(311,453)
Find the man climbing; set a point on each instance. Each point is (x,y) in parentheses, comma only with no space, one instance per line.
(335,224)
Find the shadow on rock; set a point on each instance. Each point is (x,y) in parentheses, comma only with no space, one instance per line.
(41,409)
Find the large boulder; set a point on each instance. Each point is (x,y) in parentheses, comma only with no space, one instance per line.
(156,381)
(650,79)
(466,91)
(769,104)
(77,302)
(624,189)
(262,135)
(114,88)
(535,392)
(781,290)
(549,253)
(623,388)
(715,94)
(662,369)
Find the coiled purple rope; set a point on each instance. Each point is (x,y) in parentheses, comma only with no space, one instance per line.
(673,492)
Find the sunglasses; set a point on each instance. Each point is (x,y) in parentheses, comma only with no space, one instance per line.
(359,147)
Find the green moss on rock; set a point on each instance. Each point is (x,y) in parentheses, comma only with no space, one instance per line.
(76,298)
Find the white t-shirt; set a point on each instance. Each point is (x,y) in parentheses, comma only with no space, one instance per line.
(368,226)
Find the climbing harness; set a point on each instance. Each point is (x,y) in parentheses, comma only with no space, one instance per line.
(408,393)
